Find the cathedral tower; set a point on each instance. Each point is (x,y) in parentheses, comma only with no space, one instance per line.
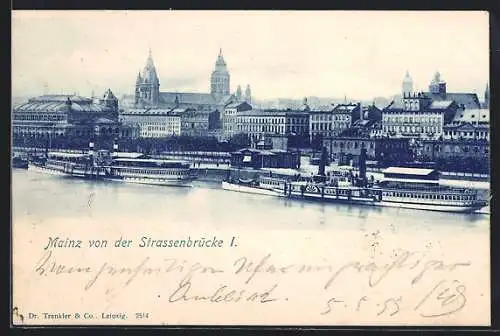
(220,79)
(248,95)
(407,85)
(147,87)
(239,94)
(438,85)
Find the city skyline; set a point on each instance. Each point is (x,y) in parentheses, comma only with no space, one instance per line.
(85,51)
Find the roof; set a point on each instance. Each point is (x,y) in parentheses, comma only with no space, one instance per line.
(187,98)
(150,111)
(68,155)
(227,99)
(239,105)
(320,111)
(59,103)
(468,100)
(468,126)
(60,98)
(104,121)
(322,108)
(130,155)
(60,107)
(363,123)
(408,171)
(252,150)
(148,160)
(472,115)
(443,104)
(273,112)
(343,108)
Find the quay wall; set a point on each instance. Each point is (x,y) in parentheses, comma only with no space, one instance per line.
(215,161)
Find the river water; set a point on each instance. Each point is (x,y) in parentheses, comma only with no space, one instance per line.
(36,195)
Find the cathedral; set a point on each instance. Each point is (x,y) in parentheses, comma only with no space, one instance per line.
(437,92)
(148,95)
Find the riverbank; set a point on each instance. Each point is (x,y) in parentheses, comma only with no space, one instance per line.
(214,172)
(217,171)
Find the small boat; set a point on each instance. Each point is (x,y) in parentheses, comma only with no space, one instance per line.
(20,162)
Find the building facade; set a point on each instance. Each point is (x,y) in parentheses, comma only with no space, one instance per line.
(343,116)
(229,117)
(320,123)
(418,117)
(259,123)
(153,123)
(161,123)
(343,149)
(68,115)
(469,124)
(199,123)
(433,150)
(258,158)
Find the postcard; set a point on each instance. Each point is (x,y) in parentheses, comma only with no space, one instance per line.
(319,168)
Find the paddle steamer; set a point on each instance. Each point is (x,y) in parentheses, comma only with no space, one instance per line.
(65,164)
(116,166)
(414,188)
(138,168)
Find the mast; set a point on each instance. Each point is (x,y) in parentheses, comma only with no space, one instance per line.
(322,162)
(362,165)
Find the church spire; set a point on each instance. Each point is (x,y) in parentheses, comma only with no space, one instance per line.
(147,85)
(239,93)
(248,94)
(149,63)
(487,96)
(139,78)
(220,59)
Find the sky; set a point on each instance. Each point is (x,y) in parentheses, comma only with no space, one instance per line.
(289,54)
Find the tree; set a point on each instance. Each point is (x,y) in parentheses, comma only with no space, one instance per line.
(239,141)
(317,142)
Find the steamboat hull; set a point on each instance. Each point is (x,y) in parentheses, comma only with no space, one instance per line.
(248,190)
(374,201)
(152,181)
(434,207)
(81,173)
(46,170)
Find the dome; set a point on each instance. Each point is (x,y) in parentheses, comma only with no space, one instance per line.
(437,78)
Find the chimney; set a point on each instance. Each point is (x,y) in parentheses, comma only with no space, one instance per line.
(360,111)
